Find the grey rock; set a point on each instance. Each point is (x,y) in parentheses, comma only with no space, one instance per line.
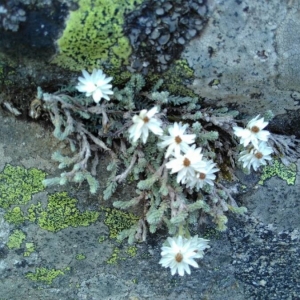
(164,39)
(160,11)
(181,41)
(155,34)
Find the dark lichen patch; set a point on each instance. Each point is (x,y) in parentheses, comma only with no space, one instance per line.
(61,212)
(287,173)
(17,185)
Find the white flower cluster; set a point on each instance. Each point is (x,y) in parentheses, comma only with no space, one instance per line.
(181,253)
(187,161)
(192,170)
(95,85)
(254,139)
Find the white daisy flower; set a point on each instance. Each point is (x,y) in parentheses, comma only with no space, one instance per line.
(177,140)
(204,175)
(200,244)
(144,122)
(179,255)
(253,133)
(95,85)
(187,164)
(256,157)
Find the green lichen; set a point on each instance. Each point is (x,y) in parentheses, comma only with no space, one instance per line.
(80,256)
(16,239)
(61,212)
(176,78)
(15,216)
(29,249)
(131,251)
(45,275)
(101,239)
(94,35)
(17,185)
(115,257)
(117,221)
(287,173)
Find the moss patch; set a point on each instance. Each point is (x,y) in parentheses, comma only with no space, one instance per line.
(15,216)
(287,173)
(131,251)
(61,212)
(80,256)
(17,185)
(94,35)
(16,239)
(29,249)
(45,275)
(117,221)
(176,78)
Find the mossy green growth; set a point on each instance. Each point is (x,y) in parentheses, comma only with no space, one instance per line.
(176,78)
(15,216)
(117,221)
(17,185)
(16,239)
(131,251)
(45,275)
(287,173)
(29,249)
(94,35)
(61,212)
(8,70)
(80,256)
(115,257)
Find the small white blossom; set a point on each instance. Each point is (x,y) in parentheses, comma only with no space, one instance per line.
(200,244)
(177,141)
(95,85)
(256,157)
(187,164)
(144,122)
(179,255)
(204,175)
(253,133)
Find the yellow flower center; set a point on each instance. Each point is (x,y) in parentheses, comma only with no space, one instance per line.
(258,155)
(202,176)
(186,162)
(255,129)
(179,257)
(178,140)
(146,119)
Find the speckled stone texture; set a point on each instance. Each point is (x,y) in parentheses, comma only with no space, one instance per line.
(247,56)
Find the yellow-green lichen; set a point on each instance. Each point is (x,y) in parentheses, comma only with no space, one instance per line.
(17,185)
(176,79)
(117,221)
(115,257)
(15,216)
(94,35)
(101,239)
(29,249)
(80,256)
(16,239)
(45,275)
(287,173)
(131,251)
(61,212)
